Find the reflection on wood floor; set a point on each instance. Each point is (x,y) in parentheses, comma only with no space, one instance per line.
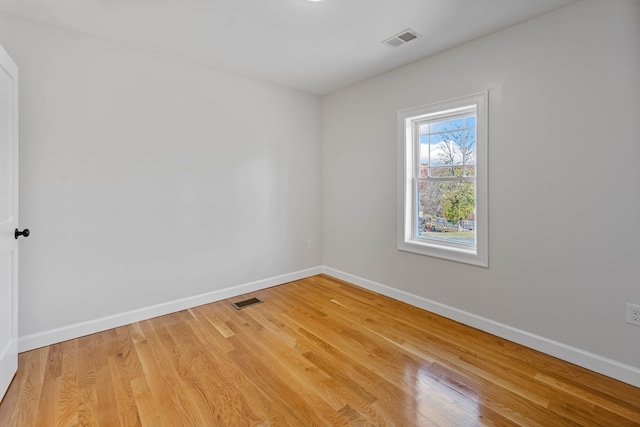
(317,352)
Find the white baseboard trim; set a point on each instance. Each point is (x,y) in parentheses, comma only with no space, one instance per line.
(593,362)
(602,365)
(41,339)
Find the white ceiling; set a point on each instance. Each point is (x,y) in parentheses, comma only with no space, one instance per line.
(316,47)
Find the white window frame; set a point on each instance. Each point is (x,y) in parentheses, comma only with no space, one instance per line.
(408,170)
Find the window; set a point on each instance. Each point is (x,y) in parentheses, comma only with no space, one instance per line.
(442,168)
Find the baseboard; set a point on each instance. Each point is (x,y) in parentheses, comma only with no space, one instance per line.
(41,339)
(593,362)
(602,365)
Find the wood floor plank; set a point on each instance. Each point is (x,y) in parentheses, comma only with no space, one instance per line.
(354,400)
(367,384)
(67,405)
(32,387)
(87,392)
(125,403)
(209,378)
(293,377)
(156,358)
(47,411)
(317,351)
(108,413)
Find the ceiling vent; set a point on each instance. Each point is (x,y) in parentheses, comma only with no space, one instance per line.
(401,38)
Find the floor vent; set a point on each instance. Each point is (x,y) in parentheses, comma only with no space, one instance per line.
(246,303)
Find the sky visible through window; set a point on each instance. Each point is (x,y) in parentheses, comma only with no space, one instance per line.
(434,137)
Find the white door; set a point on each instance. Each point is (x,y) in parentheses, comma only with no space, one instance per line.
(8,220)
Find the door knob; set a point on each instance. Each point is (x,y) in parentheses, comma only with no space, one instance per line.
(24,233)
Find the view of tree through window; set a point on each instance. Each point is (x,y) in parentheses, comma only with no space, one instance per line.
(447,179)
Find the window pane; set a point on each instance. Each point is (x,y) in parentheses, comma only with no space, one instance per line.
(470,121)
(447,125)
(446,211)
(449,143)
(424,150)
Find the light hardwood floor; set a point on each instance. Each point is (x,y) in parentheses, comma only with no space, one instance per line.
(317,352)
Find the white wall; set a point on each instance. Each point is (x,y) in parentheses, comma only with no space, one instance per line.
(146,179)
(564,159)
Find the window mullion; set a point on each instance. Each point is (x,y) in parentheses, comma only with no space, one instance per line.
(447,179)
(416,150)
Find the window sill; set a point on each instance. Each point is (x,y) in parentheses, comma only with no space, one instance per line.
(467,256)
